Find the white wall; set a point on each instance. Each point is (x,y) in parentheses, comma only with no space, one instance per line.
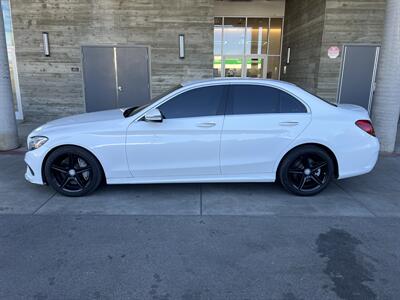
(256,8)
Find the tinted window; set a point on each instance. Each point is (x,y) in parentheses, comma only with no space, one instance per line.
(256,99)
(206,101)
(289,104)
(253,99)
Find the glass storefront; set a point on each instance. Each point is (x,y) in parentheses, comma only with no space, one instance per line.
(247,47)
(5,5)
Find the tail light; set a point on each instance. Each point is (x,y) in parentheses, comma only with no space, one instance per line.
(366,125)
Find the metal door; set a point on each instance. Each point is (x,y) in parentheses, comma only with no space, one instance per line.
(99,78)
(115,76)
(358,72)
(133,76)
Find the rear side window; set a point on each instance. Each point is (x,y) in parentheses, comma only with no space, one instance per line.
(253,99)
(257,99)
(289,104)
(205,101)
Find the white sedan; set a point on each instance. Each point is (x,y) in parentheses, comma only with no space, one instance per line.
(229,130)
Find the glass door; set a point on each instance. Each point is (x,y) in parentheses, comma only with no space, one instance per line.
(256,66)
(234,32)
(233,66)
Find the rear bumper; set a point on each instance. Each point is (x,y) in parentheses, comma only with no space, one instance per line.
(360,161)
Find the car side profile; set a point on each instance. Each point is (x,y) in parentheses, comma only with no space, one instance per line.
(221,130)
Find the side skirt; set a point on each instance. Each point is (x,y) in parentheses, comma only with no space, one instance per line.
(265,177)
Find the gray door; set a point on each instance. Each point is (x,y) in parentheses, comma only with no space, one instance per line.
(115,77)
(357,80)
(99,78)
(133,76)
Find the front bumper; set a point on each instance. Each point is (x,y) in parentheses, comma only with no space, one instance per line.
(34,160)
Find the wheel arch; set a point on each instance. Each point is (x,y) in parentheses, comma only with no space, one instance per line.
(69,145)
(325,148)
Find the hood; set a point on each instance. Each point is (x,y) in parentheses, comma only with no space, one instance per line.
(79,120)
(106,115)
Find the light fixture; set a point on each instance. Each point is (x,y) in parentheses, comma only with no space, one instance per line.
(181,46)
(46,46)
(288,56)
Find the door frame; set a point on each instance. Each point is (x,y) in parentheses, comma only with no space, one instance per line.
(342,65)
(114,46)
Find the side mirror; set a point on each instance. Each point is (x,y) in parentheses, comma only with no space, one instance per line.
(153,115)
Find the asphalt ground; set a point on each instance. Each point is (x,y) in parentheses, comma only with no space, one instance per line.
(201,241)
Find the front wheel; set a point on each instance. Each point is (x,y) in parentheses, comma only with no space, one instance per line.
(72,171)
(306,171)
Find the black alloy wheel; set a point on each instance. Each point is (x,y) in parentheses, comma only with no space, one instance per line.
(306,171)
(72,171)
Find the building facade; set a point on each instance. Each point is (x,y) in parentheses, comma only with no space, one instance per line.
(314,26)
(304,42)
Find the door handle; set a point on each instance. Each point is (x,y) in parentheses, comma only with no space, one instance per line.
(290,123)
(206,124)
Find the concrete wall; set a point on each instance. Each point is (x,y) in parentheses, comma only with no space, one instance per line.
(314,26)
(355,21)
(255,8)
(51,89)
(303,30)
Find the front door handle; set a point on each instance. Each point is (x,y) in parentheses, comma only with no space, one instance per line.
(289,123)
(206,124)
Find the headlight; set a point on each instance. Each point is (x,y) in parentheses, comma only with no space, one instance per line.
(36,142)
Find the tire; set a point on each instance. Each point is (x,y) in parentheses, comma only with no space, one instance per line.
(306,171)
(72,171)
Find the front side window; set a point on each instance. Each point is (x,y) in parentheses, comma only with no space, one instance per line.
(257,99)
(205,101)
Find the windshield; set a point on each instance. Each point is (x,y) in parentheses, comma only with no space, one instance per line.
(135,109)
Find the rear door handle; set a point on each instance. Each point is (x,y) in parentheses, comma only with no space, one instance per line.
(206,124)
(290,123)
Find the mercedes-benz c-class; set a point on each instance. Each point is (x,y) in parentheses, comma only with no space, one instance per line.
(229,130)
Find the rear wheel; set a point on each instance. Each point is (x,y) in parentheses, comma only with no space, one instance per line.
(72,171)
(306,171)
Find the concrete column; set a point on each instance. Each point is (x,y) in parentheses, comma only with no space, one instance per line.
(8,124)
(386,105)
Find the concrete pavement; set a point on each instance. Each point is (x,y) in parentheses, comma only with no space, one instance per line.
(371,195)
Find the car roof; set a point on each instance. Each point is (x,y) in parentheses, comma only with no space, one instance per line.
(238,80)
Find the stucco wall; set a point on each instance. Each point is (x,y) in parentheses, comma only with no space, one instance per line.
(51,89)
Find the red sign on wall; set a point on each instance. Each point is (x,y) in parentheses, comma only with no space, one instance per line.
(333,52)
